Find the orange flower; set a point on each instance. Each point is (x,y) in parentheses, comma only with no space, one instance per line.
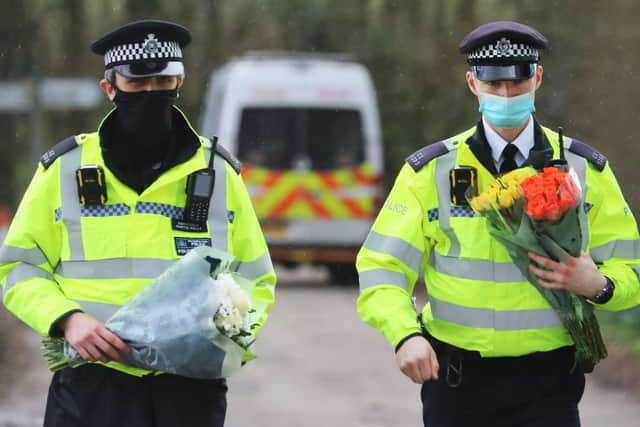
(550,194)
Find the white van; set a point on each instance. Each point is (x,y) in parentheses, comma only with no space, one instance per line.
(307,130)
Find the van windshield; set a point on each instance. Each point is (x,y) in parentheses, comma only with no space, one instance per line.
(301,138)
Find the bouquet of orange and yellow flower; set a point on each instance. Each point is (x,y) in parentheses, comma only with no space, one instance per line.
(537,211)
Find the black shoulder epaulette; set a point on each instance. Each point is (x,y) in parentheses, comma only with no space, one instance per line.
(427,153)
(230,158)
(58,150)
(588,152)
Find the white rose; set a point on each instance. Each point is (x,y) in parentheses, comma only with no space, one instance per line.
(240,300)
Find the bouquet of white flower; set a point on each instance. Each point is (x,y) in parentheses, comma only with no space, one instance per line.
(194,320)
(232,316)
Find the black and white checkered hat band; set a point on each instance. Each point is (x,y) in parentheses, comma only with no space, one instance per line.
(140,51)
(503,48)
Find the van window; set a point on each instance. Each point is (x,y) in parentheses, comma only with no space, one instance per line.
(266,137)
(285,138)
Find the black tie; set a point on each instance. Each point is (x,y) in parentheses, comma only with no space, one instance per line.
(509,158)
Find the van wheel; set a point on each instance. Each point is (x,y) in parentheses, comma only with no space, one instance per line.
(343,275)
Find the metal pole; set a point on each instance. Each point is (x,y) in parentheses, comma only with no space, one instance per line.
(36,117)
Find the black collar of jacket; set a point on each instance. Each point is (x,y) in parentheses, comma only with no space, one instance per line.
(539,155)
(139,173)
(187,141)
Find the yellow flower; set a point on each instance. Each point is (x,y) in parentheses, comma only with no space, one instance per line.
(481,203)
(518,175)
(510,194)
(492,193)
(505,198)
(502,193)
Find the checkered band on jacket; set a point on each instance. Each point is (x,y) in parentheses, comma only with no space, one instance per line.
(504,48)
(159,209)
(140,51)
(118,209)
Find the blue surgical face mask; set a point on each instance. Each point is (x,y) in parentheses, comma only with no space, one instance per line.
(507,112)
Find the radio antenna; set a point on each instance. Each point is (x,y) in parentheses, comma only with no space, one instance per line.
(214,144)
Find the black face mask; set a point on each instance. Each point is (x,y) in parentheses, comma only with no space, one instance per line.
(146,116)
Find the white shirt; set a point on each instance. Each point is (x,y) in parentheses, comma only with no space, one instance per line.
(524,142)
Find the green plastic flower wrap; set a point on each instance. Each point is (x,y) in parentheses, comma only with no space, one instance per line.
(194,320)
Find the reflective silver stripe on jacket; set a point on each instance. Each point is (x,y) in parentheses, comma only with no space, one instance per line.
(477,269)
(500,320)
(117,268)
(579,165)
(24,272)
(380,276)
(218,222)
(400,249)
(32,256)
(100,311)
(443,165)
(254,269)
(71,207)
(626,249)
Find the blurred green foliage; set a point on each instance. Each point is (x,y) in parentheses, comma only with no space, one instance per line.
(590,87)
(623,327)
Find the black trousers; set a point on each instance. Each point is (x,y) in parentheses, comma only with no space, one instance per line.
(96,396)
(537,390)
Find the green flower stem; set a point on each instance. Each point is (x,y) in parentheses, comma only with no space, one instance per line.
(53,350)
(575,312)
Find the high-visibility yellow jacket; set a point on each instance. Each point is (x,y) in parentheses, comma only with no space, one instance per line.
(60,256)
(478,299)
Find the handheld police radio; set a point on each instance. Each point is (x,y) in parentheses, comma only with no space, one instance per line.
(199,191)
(561,163)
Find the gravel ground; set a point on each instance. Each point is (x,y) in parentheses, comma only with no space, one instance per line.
(318,365)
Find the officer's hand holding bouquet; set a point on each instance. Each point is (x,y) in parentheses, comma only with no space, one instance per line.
(194,320)
(92,340)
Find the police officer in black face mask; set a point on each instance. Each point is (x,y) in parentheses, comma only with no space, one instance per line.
(145,144)
(146,135)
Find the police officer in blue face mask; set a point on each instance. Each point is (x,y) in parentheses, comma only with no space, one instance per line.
(488,349)
(505,74)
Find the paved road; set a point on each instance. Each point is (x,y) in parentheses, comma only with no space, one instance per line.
(318,365)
